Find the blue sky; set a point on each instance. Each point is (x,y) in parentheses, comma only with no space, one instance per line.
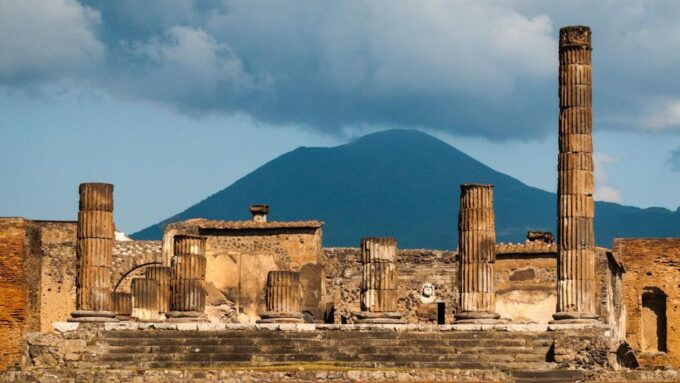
(173,101)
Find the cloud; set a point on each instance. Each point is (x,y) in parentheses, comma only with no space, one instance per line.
(662,115)
(466,67)
(674,160)
(603,190)
(46,40)
(185,66)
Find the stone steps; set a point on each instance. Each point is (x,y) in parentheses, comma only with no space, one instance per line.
(370,349)
(380,356)
(548,376)
(169,342)
(346,349)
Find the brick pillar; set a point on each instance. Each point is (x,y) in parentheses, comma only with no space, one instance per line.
(283,298)
(379,296)
(477,254)
(187,293)
(122,305)
(94,252)
(576,240)
(145,304)
(162,275)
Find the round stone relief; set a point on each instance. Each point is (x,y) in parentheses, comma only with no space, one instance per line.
(427,293)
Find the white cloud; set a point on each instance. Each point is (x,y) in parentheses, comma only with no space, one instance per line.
(603,190)
(187,63)
(663,115)
(46,39)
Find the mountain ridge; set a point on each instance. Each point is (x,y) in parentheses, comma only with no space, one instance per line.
(402,183)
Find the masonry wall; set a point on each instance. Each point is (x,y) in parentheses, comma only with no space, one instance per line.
(415,268)
(525,285)
(20,264)
(58,272)
(129,259)
(652,264)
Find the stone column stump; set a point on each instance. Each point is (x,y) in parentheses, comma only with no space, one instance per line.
(379,295)
(162,275)
(576,282)
(283,298)
(477,255)
(145,304)
(122,305)
(187,291)
(94,252)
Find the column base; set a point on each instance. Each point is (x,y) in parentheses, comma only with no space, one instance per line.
(574,317)
(92,316)
(387,317)
(185,316)
(280,317)
(478,317)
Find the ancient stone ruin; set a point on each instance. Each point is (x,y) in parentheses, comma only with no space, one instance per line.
(262,300)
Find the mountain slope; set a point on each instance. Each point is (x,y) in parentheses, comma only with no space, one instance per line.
(402,183)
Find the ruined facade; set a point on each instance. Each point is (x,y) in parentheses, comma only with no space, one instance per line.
(652,291)
(222,294)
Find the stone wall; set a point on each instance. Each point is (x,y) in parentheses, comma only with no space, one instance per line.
(58,272)
(525,284)
(13,285)
(240,254)
(415,268)
(652,270)
(130,258)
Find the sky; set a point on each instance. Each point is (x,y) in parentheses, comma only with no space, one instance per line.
(173,101)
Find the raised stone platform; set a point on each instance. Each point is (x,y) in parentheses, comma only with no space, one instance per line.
(203,352)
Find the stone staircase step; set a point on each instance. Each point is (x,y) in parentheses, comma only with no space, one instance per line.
(233,364)
(323,356)
(301,342)
(548,376)
(497,351)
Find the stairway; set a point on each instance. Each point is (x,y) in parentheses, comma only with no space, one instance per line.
(508,351)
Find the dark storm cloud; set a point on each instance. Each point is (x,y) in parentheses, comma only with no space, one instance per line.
(467,67)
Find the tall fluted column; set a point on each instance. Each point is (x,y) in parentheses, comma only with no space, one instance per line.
(576,242)
(162,275)
(379,296)
(187,293)
(282,297)
(477,254)
(94,252)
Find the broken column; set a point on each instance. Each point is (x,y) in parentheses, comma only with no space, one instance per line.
(477,255)
(282,297)
(187,293)
(94,252)
(122,305)
(162,275)
(145,305)
(379,296)
(576,208)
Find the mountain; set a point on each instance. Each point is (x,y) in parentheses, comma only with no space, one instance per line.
(405,184)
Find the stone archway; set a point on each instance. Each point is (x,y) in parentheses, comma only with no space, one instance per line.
(123,284)
(130,256)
